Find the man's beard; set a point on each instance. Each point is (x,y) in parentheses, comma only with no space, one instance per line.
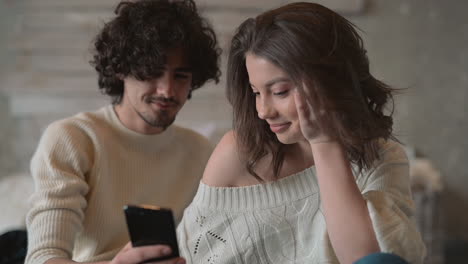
(163,119)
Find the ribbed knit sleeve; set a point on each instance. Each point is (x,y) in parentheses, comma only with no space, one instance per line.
(87,167)
(387,191)
(58,167)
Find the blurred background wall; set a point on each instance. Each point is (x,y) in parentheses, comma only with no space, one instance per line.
(421,45)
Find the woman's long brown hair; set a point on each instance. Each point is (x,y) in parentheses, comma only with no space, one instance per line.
(322,52)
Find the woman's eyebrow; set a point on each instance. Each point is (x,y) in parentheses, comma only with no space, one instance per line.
(274,81)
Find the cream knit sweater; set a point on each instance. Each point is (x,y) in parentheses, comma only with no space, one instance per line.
(87,167)
(282,222)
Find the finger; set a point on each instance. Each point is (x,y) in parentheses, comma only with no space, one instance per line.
(304,91)
(170,261)
(304,109)
(304,97)
(305,100)
(300,90)
(299,100)
(306,117)
(140,254)
(127,246)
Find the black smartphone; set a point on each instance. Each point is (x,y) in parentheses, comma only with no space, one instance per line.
(151,225)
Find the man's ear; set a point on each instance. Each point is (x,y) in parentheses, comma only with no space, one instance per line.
(189,94)
(120,76)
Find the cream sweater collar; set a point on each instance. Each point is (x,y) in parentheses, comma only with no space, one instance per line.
(260,196)
(147,143)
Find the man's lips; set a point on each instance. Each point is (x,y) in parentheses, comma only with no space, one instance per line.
(164,104)
(278,128)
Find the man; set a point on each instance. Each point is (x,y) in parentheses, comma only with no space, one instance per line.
(149,59)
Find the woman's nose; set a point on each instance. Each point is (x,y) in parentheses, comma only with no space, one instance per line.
(265,109)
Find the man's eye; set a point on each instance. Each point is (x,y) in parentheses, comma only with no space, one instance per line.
(182,76)
(157,74)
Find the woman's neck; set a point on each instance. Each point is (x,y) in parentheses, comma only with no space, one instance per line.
(298,157)
(300,153)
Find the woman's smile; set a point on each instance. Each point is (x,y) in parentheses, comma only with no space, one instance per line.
(279,128)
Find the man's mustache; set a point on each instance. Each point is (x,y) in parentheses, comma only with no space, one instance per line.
(165,100)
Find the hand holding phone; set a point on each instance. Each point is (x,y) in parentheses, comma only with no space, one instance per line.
(151,225)
(138,255)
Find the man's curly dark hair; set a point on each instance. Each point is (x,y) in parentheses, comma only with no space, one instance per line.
(138,39)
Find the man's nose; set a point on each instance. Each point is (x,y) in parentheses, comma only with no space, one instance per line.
(165,86)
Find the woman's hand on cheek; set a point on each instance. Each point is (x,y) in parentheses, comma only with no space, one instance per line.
(309,128)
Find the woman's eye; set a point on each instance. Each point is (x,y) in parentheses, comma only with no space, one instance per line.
(256,93)
(281,93)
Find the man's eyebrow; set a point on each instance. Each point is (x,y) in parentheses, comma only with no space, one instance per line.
(274,81)
(184,69)
(179,69)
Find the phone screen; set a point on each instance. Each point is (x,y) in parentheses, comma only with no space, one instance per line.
(151,225)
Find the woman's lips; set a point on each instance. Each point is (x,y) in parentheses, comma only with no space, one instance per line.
(278,128)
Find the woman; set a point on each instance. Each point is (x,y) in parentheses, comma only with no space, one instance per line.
(311,172)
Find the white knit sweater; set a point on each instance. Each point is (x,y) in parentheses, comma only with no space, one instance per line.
(87,167)
(283,221)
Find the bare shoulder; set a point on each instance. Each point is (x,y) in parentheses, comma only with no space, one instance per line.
(225,167)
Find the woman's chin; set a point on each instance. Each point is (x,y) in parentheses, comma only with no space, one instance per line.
(285,140)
